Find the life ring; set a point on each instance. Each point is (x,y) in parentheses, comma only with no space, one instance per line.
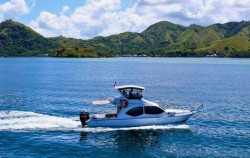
(124,103)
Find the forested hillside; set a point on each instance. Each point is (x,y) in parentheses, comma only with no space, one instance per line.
(161,39)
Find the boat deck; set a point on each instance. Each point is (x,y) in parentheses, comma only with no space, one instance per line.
(102,116)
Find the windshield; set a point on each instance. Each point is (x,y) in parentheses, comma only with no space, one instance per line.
(131,93)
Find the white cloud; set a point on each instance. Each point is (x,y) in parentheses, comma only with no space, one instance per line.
(85,22)
(49,24)
(64,10)
(14,9)
(103,17)
(91,13)
(202,12)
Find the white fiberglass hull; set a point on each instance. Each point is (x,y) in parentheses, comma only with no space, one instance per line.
(132,122)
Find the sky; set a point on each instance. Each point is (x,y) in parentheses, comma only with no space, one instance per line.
(85,19)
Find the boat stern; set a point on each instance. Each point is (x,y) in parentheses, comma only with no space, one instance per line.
(84,117)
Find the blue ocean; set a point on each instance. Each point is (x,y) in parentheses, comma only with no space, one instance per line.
(40,101)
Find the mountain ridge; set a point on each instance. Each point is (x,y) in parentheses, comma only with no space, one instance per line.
(163,39)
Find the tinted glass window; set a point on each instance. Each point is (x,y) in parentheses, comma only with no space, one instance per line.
(153,110)
(132,93)
(135,111)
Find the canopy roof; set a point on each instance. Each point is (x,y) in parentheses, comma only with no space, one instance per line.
(129,86)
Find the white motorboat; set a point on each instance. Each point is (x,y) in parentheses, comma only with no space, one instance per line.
(133,110)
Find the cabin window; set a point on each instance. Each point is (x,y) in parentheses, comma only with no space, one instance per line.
(153,110)
(135,111)
(132,93)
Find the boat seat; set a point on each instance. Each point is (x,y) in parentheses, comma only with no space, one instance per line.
(99,116)
(111,115)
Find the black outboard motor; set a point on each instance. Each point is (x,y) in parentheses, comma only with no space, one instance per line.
(84,116)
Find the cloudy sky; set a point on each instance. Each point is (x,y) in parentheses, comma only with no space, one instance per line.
(89,18)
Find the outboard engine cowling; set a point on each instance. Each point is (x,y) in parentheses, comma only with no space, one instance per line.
(84,116)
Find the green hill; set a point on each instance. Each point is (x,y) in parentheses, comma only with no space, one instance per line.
(19,40)
(161,39)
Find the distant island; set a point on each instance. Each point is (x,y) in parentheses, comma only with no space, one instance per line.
(163,39)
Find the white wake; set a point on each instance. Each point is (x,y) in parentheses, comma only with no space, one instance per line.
(30,121)
(22,120)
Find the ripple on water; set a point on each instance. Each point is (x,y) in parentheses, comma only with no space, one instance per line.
(40,100)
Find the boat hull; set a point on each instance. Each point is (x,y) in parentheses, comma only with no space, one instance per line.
(133,122)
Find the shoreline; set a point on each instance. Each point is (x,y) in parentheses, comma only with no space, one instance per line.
(124,57)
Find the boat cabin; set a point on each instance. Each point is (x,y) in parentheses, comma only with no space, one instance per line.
(131,91)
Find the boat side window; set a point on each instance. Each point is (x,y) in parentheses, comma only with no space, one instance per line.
(135,111)
(153,110)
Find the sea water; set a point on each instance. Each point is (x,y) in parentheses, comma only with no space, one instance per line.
(40,101)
